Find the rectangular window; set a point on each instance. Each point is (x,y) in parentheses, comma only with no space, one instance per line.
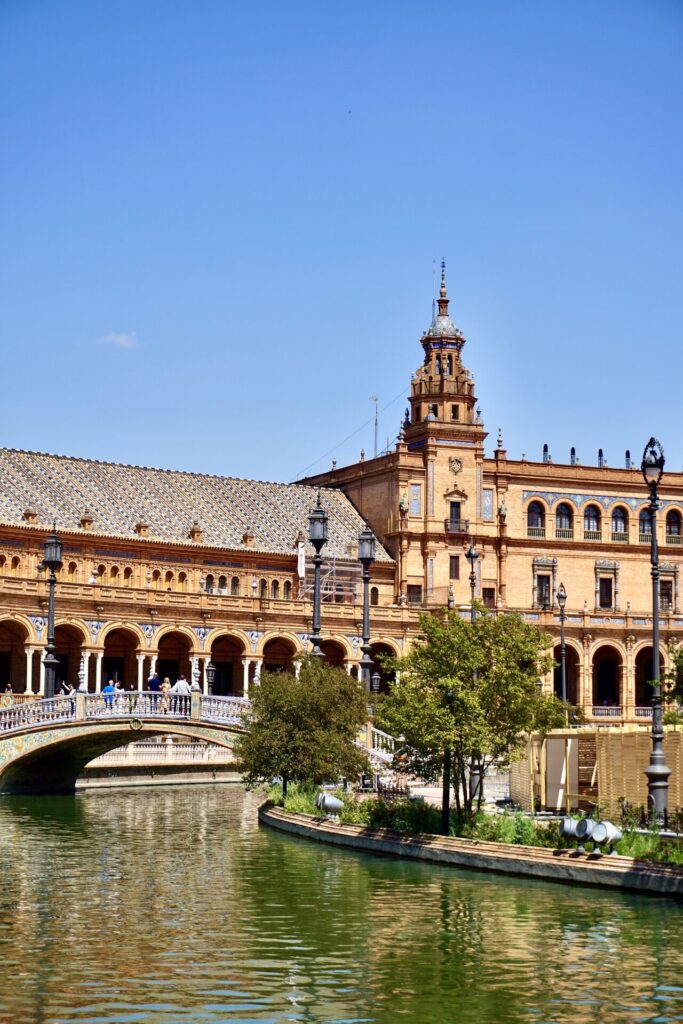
(666,595)
(455,412)
(605,592)
(543,590)
(489,597)
(454,567)
(454,514)
(415,499)
(414,593)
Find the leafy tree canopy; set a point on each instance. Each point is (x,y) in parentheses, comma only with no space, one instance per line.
(467,694)
(304,729)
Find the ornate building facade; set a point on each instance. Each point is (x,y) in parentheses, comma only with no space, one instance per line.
(169,570)
(534,524)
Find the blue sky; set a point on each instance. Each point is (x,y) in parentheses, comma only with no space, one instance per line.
(221,222)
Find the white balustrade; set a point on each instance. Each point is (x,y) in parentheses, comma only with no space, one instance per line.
(37,712)
(231,710)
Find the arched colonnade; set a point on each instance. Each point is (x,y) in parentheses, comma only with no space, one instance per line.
(129,653)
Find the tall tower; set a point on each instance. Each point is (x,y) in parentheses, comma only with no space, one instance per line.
(442,399)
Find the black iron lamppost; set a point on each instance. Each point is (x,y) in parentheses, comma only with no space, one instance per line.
(210,676)
(562,602)
(657,771)
(317,534)
(366,556)
(472,555)
(52,560)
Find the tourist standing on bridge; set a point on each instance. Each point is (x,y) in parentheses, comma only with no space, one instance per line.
(165,695)
(181,689)
(153,687)
(108,691)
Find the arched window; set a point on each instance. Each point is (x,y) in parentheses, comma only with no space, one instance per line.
(449,365)
(620,524)
(71,572)
(673,523)
(535,520)
(645,525)
(14,568)
(182,581)
(3,562)
(128,577)
(275,590)
(114,575)
(156,579)
(209,584)
(438,364)
(101,573)
(235,586)
(263,588)
(374,595)
(168,580)
(222,584)
(564,521)
(338,594)
(287,591)
(591,522)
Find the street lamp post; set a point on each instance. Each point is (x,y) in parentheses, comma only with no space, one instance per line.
(562,602)
(52,560)
(657,771)
(210,676)
(366,556)
(472,556)
(317,534)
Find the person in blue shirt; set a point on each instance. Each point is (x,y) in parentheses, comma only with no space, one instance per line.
(109,690)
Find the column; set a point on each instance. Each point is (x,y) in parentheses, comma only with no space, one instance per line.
(245,676)
(257,674)
(534,591)
(152,664)
(86,668)
(29,670)
(597,589)
(677,609)
(297,668)
(141,667)
(616,587)
(194,668)
(98,671)
(587,673)
(41,684)
(348,666)
(628,694)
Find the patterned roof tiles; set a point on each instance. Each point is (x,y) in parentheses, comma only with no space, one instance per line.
(119,497)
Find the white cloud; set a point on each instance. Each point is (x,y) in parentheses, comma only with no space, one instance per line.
(119,339)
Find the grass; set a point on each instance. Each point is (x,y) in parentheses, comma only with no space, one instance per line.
(411,816)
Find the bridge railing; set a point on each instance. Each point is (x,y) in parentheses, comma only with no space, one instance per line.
(35,712)
(231,710)
(138,704)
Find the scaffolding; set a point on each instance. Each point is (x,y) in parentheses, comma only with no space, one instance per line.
(340,582)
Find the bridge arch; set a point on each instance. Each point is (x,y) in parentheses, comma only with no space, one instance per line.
(50,760)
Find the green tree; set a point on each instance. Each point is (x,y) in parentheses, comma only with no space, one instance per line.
(304,729)
(465,697)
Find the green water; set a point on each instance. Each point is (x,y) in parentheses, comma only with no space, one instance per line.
(172,905)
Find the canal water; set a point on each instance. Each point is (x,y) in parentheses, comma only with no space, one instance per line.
(171,905)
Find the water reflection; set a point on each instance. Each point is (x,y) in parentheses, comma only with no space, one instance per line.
(171,905)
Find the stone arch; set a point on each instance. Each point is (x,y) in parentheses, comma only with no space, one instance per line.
(620,518)
(535,514)
(175,648)
(284,634)
(69,642)
(643,663)
(121,647)
(573,665)
(188,633)
(607,663)
(227,652)
(335,654)
(230,631)
(279,652)
(15,635)
(77,624)
(380,648)
(22,620)
(132,627)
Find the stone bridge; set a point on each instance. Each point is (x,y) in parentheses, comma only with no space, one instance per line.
(45,744)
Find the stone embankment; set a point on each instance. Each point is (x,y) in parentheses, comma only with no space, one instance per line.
(550,865)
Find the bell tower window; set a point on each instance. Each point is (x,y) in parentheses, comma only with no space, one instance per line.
(455,412)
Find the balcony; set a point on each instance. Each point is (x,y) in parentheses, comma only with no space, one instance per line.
(535,531)
(644,712)
(674,538)
(457,526)
(619,538)
(645,538)
(599,711)
(563,534)
(592,534)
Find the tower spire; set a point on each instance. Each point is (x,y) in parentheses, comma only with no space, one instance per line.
(443,295)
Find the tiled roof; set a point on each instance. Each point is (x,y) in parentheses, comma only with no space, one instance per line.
(119,497)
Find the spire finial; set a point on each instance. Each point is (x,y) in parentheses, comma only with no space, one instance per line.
(499,442)
(442,293)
